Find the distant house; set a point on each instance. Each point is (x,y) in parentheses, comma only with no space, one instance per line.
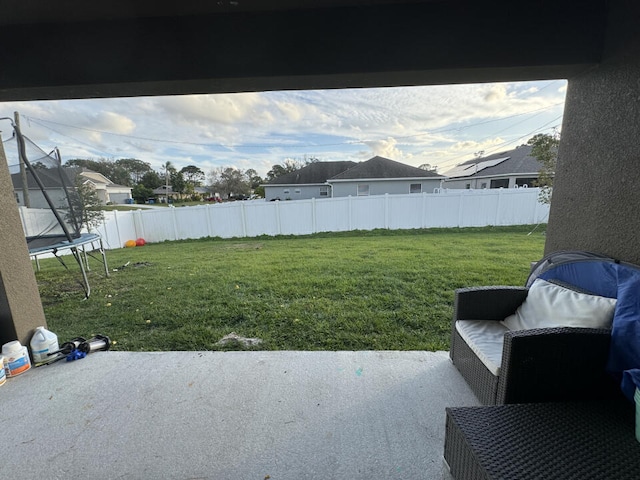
(509,169)
(107,191)
(379,175)
(376,176)
(164,192)
(308,182)
(52,183)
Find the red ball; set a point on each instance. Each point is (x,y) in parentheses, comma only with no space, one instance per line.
(140,242)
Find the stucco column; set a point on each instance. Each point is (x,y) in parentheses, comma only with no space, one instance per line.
(596,197)
(20,305)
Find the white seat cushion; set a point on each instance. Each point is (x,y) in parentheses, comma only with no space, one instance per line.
(485,338)
(548,305)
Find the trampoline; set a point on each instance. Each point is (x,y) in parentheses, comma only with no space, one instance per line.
(82,247)
(51,207)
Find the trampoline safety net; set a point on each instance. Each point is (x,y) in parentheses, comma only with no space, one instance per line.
(50,205)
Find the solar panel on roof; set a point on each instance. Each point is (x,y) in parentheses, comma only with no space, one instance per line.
(469,169)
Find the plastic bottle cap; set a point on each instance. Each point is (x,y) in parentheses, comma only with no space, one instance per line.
(12,347)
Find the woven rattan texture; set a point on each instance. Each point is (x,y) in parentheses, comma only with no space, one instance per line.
(481,381)
(581,441)
(480,303)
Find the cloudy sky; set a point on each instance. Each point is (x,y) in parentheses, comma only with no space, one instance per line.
(436,125)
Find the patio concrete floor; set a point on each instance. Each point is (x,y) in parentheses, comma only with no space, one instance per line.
(231,415)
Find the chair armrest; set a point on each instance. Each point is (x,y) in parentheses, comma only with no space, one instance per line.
(487,303)
(555,364)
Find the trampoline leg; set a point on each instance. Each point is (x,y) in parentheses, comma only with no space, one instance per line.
(104,259)
(78,257)
(86,260)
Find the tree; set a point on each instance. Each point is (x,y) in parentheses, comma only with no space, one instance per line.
(151,180)
(545,150)
(86,205)
(178,184)
(229,182)
(135,168)
(254,179)
(140,193)
(192,175)
(169,170)
(290,165)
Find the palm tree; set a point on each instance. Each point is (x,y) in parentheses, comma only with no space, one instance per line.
(168,166)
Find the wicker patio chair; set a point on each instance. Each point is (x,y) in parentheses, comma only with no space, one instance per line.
(538,365)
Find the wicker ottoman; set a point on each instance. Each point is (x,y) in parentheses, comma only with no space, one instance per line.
(591,440)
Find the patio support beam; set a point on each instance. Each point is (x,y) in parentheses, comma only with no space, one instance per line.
(596,191)
(20,306)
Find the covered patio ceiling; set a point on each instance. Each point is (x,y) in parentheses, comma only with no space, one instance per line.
(75,49)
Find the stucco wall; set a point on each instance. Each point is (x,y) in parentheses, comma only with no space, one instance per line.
(596,199)
(20,308)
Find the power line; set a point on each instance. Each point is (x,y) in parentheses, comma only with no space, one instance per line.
(43,123)
(73,138)
(500,146)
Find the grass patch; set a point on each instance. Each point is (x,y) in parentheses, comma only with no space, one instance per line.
(341,291)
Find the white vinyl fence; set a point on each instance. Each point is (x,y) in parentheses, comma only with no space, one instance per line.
(449,208)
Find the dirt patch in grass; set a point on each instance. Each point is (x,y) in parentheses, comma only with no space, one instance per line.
(245,246)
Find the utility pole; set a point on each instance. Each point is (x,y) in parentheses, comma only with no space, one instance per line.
(166,182)
(23,170)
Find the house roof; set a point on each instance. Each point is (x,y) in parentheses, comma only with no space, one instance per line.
(163,189)
(317,172)
(518,160)
(99,179)
(380,167)
(50,178)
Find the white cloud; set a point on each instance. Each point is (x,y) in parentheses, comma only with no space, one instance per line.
(416,125)
(386,148)
(113,122)
(497,93)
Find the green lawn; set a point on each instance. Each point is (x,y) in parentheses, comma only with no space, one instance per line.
(349,291)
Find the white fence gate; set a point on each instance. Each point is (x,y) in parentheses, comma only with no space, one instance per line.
(449,208)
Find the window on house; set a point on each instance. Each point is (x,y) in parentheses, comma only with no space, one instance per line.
(363,190)
(286,191)
(528,181)
(467,186)
(324,191)
(500,183)
(297,191)
(415,188)
(483,185)
(17,198)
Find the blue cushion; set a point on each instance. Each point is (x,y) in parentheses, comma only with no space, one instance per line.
(614,280)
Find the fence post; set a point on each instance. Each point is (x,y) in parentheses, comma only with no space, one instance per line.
(243,217)
(278,224)
(115,218)
(207,212)
(460,207)
(498,208)
(141,232)
(314,227)
(350,214)
(386,211)
(174,221)
(423,217)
